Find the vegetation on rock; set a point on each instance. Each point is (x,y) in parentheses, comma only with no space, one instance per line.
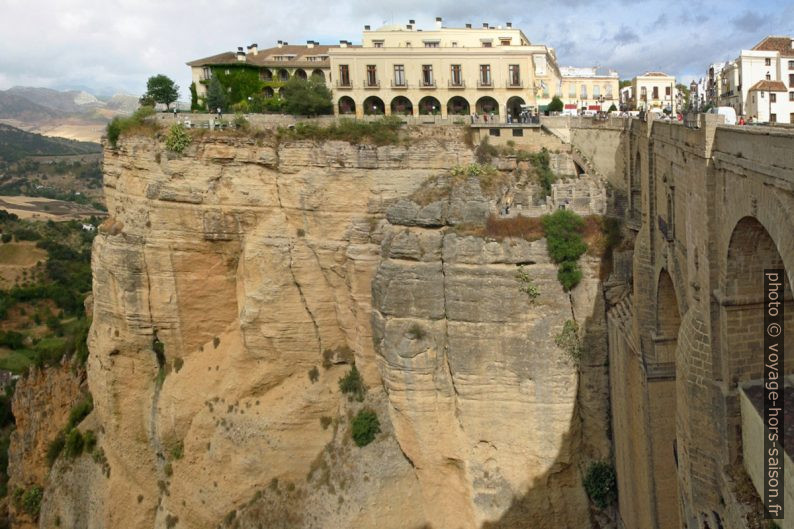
(568,341)
(353,385)
(177,139)
(526,284)
(563,230)
(135,123)
(364,427)
(384,131)
(600,484)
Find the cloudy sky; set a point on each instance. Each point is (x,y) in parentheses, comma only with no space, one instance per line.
(113,45)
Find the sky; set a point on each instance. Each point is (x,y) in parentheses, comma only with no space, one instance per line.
(115,45)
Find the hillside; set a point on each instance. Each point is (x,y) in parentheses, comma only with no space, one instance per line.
(16,144)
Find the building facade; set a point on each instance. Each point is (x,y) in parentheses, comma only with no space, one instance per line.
(443,71)
(653,90)
(759,84)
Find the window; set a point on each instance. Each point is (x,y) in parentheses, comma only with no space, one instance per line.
(494,132)
(486,44)
(407,43)
(608,90)
(485,75)
(572,90)
(399,75)
(431,44)
(596,92)
(505,42)
(207,72)
(768,77)
(791,80)
(791,98)
(767,62)
(518,132)
(427,75)
(791,65)
(455,78)
(583,93)
(377,43)
(655,92)
(514,75)
(791,118)
(372,77)
(667,91)
(454,44)
(344,75)
(772,97)
(773,118)
(643,93)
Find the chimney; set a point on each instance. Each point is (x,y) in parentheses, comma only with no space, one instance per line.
(485,25)
(509,24)
(310,44)
(412,22)
(468,26)
(343,44)
(253,48)
(366,28)
(240,54)
(409,26)
(280,44)
(438,22)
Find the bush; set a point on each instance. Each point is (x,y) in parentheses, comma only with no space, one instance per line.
(89,441)
(527,285)
(119,125)
(55,448)
(541,164)
(365,426)
(177,139)
(74,444)
(485,152)
(555,105)
(80,411)
(353,385)
(306,97)
(7,237)
(241,122)
(601,484)
(522,227)
(568,341)
(31,500)
(563,230)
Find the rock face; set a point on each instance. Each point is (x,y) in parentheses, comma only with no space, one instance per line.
(225,276)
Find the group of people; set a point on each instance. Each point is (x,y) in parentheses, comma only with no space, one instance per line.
(475,118)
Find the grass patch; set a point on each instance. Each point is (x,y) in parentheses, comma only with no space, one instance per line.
(520,227)
(384,131)
(134,124)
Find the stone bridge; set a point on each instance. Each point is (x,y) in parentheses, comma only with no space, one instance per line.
(707,210)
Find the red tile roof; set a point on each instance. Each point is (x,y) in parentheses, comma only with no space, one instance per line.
(266,57)
(768,86)
(784,45)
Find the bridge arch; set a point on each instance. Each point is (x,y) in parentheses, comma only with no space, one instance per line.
(668,318)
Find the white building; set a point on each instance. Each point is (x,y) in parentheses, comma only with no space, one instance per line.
(626,97)
(654,90)
(759,84)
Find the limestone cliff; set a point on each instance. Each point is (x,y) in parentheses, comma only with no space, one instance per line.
(226,275)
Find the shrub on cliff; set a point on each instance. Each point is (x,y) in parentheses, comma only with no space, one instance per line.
(568,341)
(74,443)
(485,152)
(364,427)
(30,501)
(55,448)
(137,121)
(353,385)
(177,139)
(384,131)
(601,484)
(563,230)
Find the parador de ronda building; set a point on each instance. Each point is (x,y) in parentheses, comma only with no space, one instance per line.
(400,69)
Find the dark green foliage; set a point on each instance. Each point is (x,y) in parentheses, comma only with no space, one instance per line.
(216,96)
(306,97)
(364,427)
(563,230)
(162,89)
(74,444)
(11,339)
(555,105)
(194,104)
(55,448)
(119,125)
(601,484)
(89,441)
(80,411)
(6,237)
(31,501)
(540,162)
(384,131)
(5,441)
(26,234)
(353,385)
(612,108)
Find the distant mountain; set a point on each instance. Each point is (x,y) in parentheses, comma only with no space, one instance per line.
(16,144)
(15,106)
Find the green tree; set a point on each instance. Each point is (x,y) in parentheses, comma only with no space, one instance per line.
(194,104)
(306,97)
(612,108)
(216,96)
(161,89)
(555,105)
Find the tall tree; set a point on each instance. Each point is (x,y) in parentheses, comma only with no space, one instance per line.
(161,89)
(555,105)
(216,96)
(306,97)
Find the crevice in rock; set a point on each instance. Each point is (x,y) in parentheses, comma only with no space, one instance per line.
(303,300)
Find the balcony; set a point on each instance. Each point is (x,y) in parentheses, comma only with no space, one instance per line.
(427,85)
(344,85)
(515,83)
(371,85)
(399,85)
(488,83)
(461,84)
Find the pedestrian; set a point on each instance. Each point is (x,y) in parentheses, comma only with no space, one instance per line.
(741,121)
(485,118)
(220,115)
(174,111)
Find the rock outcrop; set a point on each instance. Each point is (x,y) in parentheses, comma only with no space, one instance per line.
(235,284)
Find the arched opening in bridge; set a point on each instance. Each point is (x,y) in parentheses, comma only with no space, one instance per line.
(301,74)
(668,319)
(429,105)
(578,168)
(751,251)
(402,106)
(347,105)
(283,75)
(514,107)
(457,106)
(487,105)
(373,106)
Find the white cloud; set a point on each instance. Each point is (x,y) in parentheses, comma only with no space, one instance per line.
(119,43)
